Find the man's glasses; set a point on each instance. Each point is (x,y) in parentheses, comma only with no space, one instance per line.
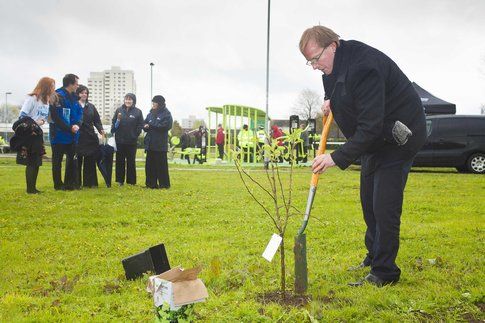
(315,59)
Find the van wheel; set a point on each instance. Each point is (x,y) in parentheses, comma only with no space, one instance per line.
(476,163)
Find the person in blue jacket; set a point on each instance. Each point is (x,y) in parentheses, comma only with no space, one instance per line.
(65,115)
(157,124)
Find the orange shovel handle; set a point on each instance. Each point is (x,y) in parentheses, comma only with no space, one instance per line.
(327,122)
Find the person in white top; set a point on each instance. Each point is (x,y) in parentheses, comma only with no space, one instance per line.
(36,106)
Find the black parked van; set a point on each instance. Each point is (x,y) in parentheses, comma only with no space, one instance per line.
(454,141)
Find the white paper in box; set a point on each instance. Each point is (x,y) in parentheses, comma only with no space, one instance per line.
(177,287)
(163,292)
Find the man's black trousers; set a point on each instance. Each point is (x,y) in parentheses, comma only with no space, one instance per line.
(383,178)
(185,156)
(70,175)
(156,169)
(125,162)
(220,148)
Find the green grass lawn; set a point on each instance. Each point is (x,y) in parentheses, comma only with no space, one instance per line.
(60,251)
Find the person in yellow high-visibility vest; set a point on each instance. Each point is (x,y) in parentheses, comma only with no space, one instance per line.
(246,143)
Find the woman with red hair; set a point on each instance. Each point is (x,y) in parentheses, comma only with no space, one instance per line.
(36,107)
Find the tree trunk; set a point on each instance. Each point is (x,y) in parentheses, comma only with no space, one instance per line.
(283,268)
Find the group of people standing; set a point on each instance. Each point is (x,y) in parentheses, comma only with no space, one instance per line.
(72,123)
(201,141)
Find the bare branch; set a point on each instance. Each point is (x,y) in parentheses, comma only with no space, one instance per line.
(290,190)
(273,182)
(281,188)
(238,167)
(257,183)
(319,220)
(297,210)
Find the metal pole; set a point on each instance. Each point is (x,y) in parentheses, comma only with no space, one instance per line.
(267,67)
(5,115)
(151,80)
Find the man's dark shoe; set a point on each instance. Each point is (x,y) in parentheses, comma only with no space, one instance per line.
(358,267)
(371,279)
(374,280)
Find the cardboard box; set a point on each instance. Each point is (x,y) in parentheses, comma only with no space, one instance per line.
(177,287)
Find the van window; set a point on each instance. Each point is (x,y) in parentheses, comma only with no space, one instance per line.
(476,126)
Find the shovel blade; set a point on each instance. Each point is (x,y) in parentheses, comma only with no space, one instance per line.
(301,271)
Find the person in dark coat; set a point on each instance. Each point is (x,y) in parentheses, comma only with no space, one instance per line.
(201,141)
(381,115)
(88,144)
(66,116)
(31,147)
(157,124)
(126,125)
(185,143)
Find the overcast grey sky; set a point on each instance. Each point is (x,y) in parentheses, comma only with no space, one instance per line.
(213,52)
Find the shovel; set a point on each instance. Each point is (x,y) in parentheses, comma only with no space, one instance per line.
(301,270)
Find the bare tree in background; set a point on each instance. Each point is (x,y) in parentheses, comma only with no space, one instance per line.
(198,123)
(308,104)
(13,112)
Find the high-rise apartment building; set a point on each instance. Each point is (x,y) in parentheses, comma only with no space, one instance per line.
(107,89)
(191,122)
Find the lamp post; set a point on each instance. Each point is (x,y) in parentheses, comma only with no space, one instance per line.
(266,128)
(5,113)
(151,80)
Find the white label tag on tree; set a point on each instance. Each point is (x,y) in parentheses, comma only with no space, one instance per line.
(272,247)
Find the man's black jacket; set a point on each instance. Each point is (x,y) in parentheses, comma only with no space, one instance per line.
(367,90)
